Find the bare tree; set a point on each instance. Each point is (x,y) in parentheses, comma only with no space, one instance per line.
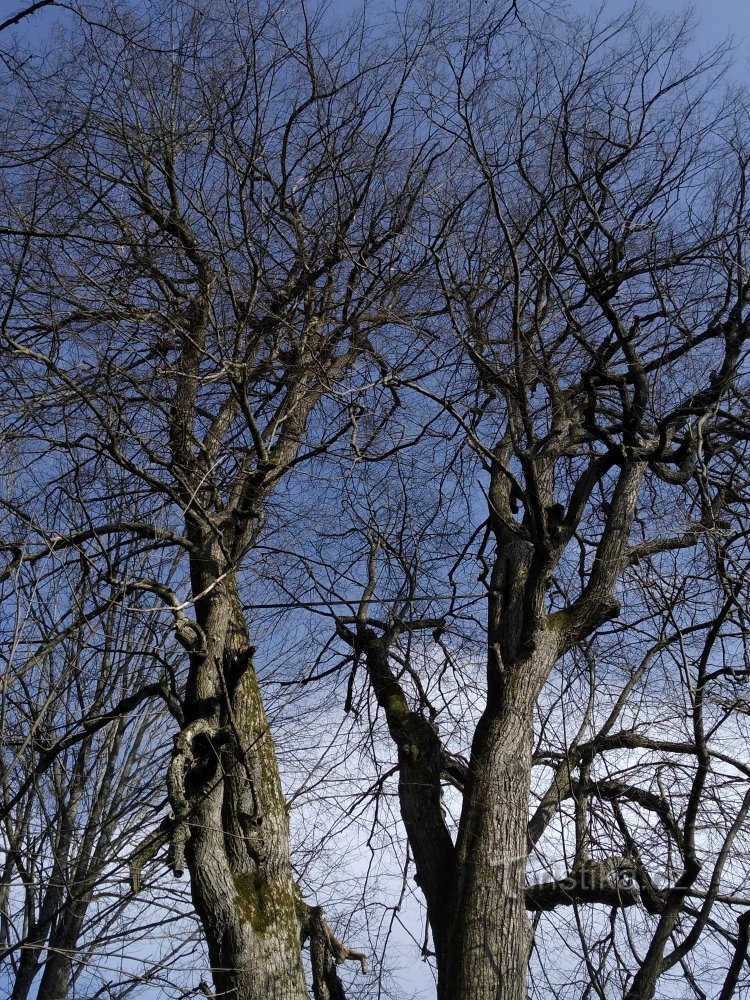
(477,287)
(595,310)
(192,279)
(82,767)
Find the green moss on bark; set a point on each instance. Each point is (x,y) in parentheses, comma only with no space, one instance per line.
(268,906)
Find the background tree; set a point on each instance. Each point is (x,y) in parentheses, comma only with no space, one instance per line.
(84,750)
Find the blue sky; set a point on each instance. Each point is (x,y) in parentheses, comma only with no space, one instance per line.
(717,19)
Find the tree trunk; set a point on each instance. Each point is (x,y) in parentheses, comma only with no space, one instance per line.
(63,947)
(474,891)
(231,819)
(492,932)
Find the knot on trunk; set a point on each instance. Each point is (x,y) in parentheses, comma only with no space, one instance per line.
(183,763)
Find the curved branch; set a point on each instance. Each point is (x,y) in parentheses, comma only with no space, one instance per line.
(26,12)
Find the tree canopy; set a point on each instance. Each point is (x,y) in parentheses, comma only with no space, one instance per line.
(374,418)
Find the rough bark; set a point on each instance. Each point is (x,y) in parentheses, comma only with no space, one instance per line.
(231,815)
(493,931)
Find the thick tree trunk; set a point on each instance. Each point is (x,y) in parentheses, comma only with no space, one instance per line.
(492,932)
(241,879)
(475,890)
(232,826)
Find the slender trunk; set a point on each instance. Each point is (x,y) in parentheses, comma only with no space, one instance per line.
(63,948)
(39,930)
(28,967)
